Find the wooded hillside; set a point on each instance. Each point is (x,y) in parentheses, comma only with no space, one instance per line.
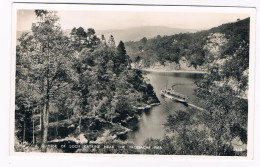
(188,46)
(69,87)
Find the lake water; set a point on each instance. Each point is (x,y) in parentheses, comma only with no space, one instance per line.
(151,123)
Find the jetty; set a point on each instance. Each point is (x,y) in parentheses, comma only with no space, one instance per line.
(194,106)
(174,96)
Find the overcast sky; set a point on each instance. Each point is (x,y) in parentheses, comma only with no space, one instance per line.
(122,20)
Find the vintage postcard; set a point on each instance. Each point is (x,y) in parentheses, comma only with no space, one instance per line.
(132,80)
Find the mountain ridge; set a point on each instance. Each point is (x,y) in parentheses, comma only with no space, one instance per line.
(137,33)
(133,33)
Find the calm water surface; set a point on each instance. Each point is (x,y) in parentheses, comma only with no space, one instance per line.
(151,124)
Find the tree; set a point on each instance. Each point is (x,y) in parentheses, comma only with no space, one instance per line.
(103,40)
(144,40)
(56,75)
(45,54)
(223,90)
(121,49)
(111,41)
(81,33)
(122,60)
(84,77)
(81,39)
(92,40)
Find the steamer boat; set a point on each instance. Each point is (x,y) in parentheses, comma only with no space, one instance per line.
(173,95)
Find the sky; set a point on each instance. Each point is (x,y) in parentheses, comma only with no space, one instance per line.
(107,20)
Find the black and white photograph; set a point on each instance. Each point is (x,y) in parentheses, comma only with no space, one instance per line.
(132,80)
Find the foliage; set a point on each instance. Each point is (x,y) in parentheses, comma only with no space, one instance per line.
(190,46)
(213,131)
(83,87)
(74,86)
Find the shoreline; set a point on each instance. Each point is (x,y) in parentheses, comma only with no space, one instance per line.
(174,71)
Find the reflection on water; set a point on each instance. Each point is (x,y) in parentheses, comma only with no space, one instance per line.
(151,124)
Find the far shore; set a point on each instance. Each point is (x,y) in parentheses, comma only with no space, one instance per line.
(174,71)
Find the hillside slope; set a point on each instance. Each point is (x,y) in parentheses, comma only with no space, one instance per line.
(136,33)
(223,52)
(133,34)
(186,48)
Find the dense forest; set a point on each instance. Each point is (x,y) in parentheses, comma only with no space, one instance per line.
(78,87)
(222,127)
(84,89)
(190,47)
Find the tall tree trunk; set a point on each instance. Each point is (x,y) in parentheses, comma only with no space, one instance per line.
(24,128)
(33,132)
(56,128)
(80,124)
(68,116)
(41,120)
(45,119)
(45,125)
(41,123)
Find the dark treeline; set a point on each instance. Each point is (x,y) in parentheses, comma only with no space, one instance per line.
(82,85)
(190,46)
(67,87)
(222,128)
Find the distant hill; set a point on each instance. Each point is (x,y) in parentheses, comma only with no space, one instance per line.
(191,46)
(137,33)
(133,34)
